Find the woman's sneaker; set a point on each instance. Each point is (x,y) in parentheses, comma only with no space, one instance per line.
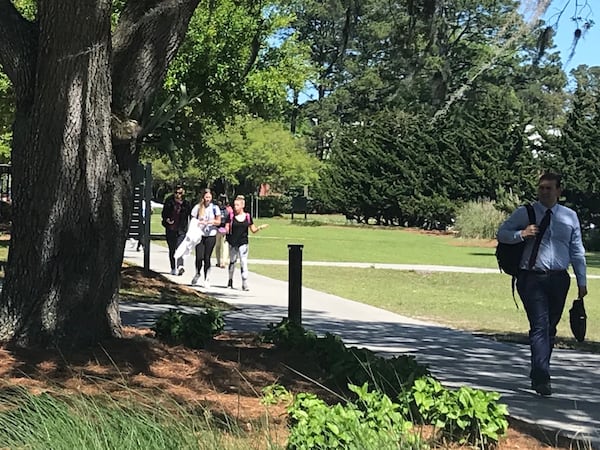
(196,280)
(245,286)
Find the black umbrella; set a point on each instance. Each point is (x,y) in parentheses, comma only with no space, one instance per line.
(578,319)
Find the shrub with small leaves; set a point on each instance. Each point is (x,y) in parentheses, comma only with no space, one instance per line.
(191,330)
(288,335)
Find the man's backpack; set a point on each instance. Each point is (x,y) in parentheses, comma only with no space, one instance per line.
(509,255)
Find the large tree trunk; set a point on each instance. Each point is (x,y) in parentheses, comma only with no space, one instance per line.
(67,240)
(71,168)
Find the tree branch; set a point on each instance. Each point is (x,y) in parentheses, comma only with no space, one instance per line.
(145,42)
(18,47)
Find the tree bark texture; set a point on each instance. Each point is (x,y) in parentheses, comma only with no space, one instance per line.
(71,178)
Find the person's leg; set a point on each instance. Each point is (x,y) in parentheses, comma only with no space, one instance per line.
(243,252)
(225,257)
(180,239)
(209,246)
(532,290)
(219,249)
(199,260)
(172,244)
(558,288)
(233,256)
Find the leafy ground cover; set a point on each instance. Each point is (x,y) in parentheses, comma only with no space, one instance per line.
(224,380)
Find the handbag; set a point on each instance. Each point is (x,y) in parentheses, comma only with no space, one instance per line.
(578,319)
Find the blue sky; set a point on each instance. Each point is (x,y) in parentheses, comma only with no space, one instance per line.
(587,50)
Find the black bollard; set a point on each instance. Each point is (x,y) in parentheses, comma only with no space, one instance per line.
(295,283)
(148,202)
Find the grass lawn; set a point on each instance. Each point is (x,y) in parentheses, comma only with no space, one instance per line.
(477,302)
(361,244)
(372,244)
(334,241)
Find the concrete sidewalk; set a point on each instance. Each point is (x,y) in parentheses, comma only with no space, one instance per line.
(455,357)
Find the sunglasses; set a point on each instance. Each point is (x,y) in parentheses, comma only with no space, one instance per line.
(179,192)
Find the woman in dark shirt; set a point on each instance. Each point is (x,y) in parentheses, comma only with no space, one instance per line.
(238,224)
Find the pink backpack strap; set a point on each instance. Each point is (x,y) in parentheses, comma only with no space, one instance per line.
(229,224)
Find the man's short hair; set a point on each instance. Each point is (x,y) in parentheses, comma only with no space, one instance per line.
(551,176)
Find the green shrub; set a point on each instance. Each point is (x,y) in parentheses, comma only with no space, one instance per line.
(191,330)
(307,222)
(288,335)
(274,394)
(466,415)
(478,220)
(273,205)
(359,365)
(347,365)
(591,239)
(373,421)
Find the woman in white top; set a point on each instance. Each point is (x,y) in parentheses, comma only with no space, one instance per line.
(209,217)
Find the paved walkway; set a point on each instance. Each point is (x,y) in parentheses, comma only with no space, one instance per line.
(455,357)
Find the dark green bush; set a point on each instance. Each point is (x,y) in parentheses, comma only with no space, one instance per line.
(191,330)
(345,365)
(591,239)
(273,205)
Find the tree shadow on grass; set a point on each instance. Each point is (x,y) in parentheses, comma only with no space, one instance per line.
(523,339)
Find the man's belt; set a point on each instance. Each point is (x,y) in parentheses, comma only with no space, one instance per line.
(543,271)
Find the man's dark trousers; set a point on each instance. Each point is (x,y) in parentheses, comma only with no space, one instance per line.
(543,296)
(174,240)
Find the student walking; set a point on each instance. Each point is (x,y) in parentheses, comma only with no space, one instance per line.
(543,282)
(222,247)
(209,217)
(175,216)
(237,227)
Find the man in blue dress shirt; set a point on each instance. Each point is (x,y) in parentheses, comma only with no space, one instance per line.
(543,282)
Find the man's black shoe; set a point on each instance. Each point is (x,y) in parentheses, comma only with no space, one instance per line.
(544,389)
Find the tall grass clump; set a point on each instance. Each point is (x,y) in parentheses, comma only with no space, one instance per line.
(478,220)
(77,421)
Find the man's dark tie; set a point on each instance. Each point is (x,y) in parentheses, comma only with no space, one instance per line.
(538,239)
